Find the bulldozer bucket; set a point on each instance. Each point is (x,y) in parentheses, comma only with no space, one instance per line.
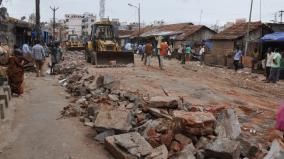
(109,58)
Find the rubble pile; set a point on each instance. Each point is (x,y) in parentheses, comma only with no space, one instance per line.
(133,126)
(72,61)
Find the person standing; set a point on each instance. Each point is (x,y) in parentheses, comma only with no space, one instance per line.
(202,54)
(269,62)
(254,61)
(39,57)
(187,53)
(15,72)
(55,56)
(148,53)
(159,42)
(237,58)
(163,52)
(275,67)
(26,49)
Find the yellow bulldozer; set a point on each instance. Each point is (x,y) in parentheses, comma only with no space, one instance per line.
(74,43)
(103,49)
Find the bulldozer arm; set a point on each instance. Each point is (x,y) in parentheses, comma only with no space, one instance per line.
(112,58)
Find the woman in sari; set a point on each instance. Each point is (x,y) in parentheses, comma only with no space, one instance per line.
(15,72)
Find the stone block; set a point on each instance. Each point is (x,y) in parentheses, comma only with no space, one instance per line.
(129,145)
(223,148)
(4,96)
(164,102)
(196,123)
(228,125)
(119,120)
(160,152)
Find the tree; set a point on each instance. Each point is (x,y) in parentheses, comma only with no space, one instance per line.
(32,18)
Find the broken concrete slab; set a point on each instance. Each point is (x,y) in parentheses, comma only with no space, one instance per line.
(276,150)
(223,148)
(113,97)
(118,120)
(196,123)
(102,136)
(182,139)
(228,125)
(188,152)
(133,145)
(249,147)
(160,152)
(164,102)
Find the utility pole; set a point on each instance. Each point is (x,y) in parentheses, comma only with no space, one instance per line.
(54,23)
(139,19)
(247,38)
(37,27)
(139,22)
(281,15)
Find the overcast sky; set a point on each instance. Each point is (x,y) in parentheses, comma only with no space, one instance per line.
(171,11)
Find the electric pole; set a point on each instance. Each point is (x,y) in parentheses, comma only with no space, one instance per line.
(54,23)
(37,27)
(281,15)
(247,38)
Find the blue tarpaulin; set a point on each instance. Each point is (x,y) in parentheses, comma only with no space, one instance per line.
(277,36)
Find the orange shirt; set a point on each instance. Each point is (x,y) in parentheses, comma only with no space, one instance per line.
(164,49)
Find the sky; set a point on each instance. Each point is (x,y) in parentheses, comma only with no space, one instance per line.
(208,12)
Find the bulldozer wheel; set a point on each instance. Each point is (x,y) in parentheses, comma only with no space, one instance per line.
(87,57)
(93,59)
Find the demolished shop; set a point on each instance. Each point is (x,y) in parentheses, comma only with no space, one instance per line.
(15,32)
(225,43)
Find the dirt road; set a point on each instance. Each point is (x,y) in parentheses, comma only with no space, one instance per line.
(34,133)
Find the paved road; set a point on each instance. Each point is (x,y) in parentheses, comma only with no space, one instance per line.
(35,132)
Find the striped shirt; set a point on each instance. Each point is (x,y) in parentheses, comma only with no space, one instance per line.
(38,52)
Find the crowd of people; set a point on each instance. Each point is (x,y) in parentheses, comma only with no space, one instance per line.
(163,49)
(35,55)
(271,63)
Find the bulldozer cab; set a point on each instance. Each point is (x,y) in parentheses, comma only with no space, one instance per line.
(104,49)
(73,38)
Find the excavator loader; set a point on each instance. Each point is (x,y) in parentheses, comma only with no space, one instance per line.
(103,50)
(74,43)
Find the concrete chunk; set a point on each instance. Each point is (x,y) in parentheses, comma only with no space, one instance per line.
(160,152)
(276,151)
(228,125)
(114,120)
(102,136)
(188,152)
(130,145)
(223,148)
(164,102)
(196,123)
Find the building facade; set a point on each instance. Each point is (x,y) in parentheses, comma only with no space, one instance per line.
(87,22)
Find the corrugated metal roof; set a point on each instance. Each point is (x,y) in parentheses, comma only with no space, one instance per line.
(182,30)
(237,30)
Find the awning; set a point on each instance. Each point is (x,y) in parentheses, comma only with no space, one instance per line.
(277,36)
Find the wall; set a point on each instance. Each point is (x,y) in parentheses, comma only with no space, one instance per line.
(74,24)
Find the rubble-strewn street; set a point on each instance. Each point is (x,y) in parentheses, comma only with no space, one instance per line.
(188,111)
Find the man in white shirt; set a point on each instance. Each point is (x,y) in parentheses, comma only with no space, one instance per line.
(26,49)
(269,62)
(202,54)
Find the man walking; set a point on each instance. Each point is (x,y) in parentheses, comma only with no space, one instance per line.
(237,58)
(275,67)
(149,52)
(39,57)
